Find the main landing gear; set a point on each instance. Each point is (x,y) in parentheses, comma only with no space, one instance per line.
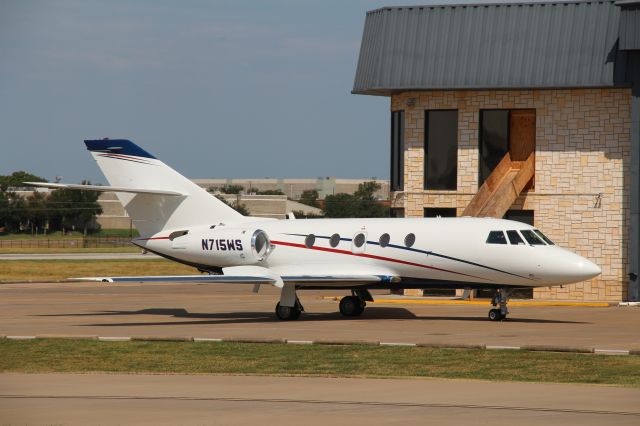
(353,306)
(289,313)
(289,308)
(500,299)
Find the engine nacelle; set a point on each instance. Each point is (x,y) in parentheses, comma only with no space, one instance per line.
(230,247)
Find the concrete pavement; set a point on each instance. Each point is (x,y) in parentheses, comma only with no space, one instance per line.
(108,399)
(228,311)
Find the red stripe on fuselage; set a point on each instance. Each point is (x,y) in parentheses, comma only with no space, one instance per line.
(372,256)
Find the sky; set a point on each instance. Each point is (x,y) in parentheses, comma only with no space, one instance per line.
(215,89)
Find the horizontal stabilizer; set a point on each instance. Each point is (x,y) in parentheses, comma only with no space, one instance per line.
(101,188)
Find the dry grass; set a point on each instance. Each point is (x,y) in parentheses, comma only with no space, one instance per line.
(62,355)
(55,270)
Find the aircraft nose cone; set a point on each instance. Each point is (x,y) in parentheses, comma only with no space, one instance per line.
(586,269)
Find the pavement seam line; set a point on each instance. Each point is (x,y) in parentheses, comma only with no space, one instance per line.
(341,343)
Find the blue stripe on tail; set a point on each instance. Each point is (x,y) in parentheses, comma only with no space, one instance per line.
(117,146)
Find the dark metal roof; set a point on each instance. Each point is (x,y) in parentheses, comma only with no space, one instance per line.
(629,25)
(520,45)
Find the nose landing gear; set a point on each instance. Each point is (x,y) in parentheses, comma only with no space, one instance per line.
(500,299)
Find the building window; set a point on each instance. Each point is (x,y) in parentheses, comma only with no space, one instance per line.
(441,149)
(397,151)
(505,131)
(440,212)
(494,140)
(396,212)
(524,216)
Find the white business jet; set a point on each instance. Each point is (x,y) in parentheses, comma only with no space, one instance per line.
(181,221)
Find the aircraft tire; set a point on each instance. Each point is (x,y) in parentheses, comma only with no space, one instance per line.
(495,315)
(350,306)
(286,313)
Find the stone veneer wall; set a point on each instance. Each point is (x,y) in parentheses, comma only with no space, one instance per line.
(582,152)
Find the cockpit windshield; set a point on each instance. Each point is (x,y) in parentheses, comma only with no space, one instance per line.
(544,237)
(532,238)
(515,238)
(496,237)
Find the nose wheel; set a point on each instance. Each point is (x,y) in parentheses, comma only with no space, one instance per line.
(499,300)
(495,315)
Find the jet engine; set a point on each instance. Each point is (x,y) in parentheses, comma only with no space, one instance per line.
(234,246)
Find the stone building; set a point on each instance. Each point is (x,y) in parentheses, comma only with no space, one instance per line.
(524,111)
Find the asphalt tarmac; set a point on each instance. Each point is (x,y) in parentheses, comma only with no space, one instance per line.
(228,311)
(108,399)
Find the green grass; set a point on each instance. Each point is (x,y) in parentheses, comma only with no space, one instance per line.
(71,235)
(65,355)
(63,250)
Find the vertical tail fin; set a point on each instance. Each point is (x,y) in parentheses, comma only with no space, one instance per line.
(125,164)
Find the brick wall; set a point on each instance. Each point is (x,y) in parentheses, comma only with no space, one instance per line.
(582,153)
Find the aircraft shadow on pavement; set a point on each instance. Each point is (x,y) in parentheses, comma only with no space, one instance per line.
(371,313)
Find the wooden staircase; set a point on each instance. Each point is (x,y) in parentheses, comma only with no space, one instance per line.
(501,189)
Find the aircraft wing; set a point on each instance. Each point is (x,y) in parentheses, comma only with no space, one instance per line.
(302,280)
(203,278)
(101,188)
(259,275)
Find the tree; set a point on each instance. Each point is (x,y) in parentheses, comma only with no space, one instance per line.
(239,207)
(232,189)
(270,192)
(361,204)
(36,212)
(17,179)
(74,209)
(309,197)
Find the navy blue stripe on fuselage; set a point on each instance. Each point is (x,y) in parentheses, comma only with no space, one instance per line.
(428,253)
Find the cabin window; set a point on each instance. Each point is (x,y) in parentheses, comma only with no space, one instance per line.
(515,238)
(384,240)
(359,240)
(496,237)
(544,237)
(309,240)
(334,240)
(532,238)
(409,240)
